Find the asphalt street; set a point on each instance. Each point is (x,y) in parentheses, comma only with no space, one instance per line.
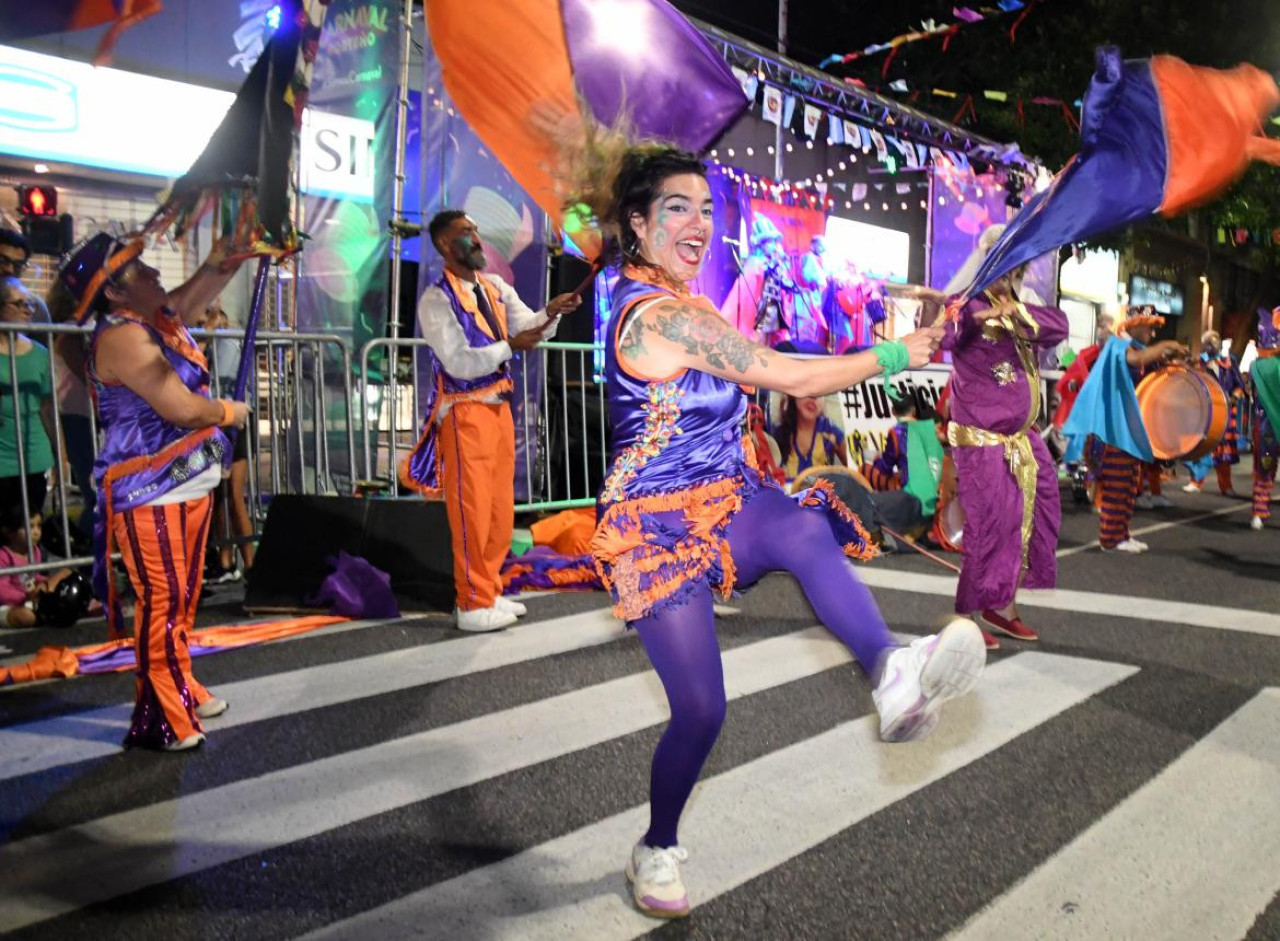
(397,779)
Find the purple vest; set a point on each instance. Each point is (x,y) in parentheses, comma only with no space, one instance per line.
(420,471)
(135,435)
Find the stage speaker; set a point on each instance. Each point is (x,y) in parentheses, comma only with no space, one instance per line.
(407,539)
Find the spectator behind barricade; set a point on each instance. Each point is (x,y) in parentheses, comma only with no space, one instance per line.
(31,402)
(232,526)
(15,256)
(76,407)
(18,593)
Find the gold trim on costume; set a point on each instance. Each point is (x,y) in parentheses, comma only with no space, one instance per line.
(1022,465)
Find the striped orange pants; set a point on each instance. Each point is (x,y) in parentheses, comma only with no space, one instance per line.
(1118,480)
(1264,478)
(163,549)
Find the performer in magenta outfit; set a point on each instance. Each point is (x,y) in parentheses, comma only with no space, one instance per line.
(684,515)
(1008,481)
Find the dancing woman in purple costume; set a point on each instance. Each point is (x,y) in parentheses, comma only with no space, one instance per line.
(685,515)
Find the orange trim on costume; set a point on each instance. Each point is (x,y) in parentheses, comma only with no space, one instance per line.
(428,427)
(868,549)
(114,473)
(113,264)
(467,298)
(617,336)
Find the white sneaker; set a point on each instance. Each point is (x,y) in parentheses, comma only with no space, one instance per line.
(510,606)
(1256,523)
(484,619)
(185,744)
(1161,502)
(1143,502)
(1129,545)
(918,679)
(212,708)
(1139,543)
(656,886)
(1192,487)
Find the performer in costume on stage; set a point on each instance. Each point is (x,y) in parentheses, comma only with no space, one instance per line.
(684,514)
(1107,408)
(473,323)
(1264,375)
(812,334)
(162,454)
(1007,480)
(1223,367)
(761,304)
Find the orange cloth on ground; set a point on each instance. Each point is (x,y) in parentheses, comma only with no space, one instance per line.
(568,533)
(165,560)
(62,662)
(478,466)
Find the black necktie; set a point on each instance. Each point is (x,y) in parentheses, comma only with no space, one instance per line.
(487,312)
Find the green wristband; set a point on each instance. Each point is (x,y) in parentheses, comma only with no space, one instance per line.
(893,358)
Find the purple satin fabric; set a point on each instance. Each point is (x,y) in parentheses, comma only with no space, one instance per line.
(422,464)
(710,414)
(978,398)
(670,83)
(1117,178)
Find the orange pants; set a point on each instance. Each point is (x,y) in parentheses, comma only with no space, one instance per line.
(478,466)
(163,550)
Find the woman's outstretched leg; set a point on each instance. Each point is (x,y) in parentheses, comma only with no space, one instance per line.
(681,643)
(772,532)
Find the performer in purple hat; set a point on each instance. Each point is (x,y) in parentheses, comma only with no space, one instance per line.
(162,454)
(684,514)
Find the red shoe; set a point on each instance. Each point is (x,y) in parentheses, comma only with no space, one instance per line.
(990,640)
(1014,628)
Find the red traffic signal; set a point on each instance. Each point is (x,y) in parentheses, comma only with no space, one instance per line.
(37,200)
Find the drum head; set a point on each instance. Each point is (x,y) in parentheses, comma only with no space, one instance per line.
(951,523)
(1184,412)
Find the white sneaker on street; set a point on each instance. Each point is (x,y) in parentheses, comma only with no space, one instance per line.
(1192,487)
(510,606)
(212,708)
(918,679)
(484,619)
(1139,543)
(1161,502)
(191,741)
(1129,545)
(656,886)
(1143,502)
(1256,523)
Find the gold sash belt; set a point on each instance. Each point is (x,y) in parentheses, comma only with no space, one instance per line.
(1022,465)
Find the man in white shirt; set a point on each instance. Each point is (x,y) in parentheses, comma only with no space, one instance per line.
(473,324)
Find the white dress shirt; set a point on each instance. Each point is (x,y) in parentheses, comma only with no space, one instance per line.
(441,330)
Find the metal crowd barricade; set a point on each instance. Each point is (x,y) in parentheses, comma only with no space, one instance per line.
(558,406)
(300,438)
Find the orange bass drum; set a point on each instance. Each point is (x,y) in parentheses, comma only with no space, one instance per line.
(1185,412)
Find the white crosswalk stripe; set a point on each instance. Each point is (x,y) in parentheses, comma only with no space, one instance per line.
(1217,797)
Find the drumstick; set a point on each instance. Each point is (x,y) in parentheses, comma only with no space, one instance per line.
(920,549)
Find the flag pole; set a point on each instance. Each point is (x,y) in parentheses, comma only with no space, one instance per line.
(248,360)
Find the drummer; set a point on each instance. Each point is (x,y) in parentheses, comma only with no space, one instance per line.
(1107,408)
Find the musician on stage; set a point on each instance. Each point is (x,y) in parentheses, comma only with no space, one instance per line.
(811,332)
(762,302)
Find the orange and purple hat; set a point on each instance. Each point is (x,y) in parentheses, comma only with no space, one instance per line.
(90,265)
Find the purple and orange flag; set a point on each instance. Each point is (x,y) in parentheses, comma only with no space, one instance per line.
(26,19)
(1157,136)
(511,68)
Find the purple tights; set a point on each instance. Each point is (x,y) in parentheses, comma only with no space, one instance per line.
(771,533)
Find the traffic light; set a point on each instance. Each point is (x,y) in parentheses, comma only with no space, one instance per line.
(37,200)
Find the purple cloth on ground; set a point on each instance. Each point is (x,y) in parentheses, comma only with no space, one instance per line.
(356,589)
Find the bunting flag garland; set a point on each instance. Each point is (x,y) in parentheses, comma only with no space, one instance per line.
(932,29)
